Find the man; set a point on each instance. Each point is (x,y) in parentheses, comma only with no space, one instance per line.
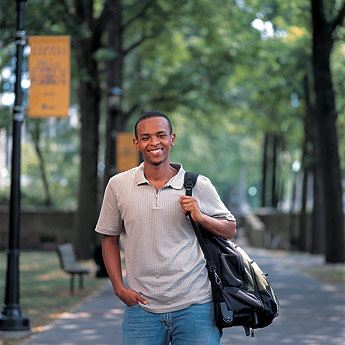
(168,295)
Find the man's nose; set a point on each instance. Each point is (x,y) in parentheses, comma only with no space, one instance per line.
(154,140)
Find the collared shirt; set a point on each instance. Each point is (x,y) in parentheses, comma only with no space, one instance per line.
(164,262)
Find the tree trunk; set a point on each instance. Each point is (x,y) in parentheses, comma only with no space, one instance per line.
(327,135)
(293,236)
(307,155)
(264,171)
(303,231)
(87,212)
(281,183)
(318,215)
(114,73)
(317,245)
(274,199)
(89,100)
(35,135)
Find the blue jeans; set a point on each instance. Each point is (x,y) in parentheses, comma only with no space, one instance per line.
(193,325)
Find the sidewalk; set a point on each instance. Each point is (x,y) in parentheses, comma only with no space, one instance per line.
(312,313)
(96,321)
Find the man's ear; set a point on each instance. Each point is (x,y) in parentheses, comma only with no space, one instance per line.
(173,136)
(136,144)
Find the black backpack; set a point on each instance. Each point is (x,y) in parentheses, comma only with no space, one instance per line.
(242,295)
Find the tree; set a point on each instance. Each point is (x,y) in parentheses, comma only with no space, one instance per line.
(311,167)
(107,35)
(89,96)
(131,26)
(326,116)
(85,21)
(35,132)
(229,73)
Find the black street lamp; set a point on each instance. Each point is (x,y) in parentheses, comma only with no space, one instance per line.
(11,318)
(114,104)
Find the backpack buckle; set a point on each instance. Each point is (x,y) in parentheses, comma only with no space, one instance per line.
(189,187)
(228,315)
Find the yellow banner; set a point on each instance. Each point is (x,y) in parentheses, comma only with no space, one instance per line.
(127,156)
(49,68)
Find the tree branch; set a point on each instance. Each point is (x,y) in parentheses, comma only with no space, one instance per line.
(164,14)
(139,42)
(7,41)
(159,99)
(164,99)
(35,135)
(70,17)
(339,18)
(104,17)
(129,112)
(140,14)
(84,12)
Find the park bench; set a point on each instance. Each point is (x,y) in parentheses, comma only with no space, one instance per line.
(70,265)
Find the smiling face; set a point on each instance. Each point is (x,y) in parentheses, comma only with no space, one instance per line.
(154,140)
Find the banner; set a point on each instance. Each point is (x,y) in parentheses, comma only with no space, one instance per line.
(127,156)
(49,68)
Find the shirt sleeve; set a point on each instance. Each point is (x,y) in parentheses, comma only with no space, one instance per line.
(109,221)
(210,202)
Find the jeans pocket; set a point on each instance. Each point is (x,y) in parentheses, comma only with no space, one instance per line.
(132,306)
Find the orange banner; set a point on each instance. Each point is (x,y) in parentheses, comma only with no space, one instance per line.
(49,68)
(127,156)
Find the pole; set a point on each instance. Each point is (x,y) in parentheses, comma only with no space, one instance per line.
(11,318)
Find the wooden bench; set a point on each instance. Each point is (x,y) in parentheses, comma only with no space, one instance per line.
(69,264)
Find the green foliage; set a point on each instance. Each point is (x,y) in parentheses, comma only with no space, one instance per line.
(220,154)
(59,146)
(226,84)
(5,117)
(227,72)
(59,149)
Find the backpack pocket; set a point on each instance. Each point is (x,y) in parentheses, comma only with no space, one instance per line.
(231,271)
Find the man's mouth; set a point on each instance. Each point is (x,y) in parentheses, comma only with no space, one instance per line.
(155,151)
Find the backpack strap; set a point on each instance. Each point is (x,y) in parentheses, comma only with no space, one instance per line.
(189,182)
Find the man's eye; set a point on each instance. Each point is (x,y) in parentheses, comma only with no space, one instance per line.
(162,135)
(145,138)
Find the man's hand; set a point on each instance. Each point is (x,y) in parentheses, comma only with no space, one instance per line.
(188,203)
(218,226)
(129,297)
(112,260)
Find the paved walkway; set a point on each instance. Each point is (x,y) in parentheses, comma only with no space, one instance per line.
(312,313)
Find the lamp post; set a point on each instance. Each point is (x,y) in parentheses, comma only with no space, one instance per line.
(11,318)
(114,104)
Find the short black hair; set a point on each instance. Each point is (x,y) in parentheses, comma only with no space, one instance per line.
(148,115)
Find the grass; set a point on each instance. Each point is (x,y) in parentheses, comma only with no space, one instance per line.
(328,273)
(44,288)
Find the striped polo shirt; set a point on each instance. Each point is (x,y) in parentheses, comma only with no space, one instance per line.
(164,262)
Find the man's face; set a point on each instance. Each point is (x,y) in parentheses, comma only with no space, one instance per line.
(154,140)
